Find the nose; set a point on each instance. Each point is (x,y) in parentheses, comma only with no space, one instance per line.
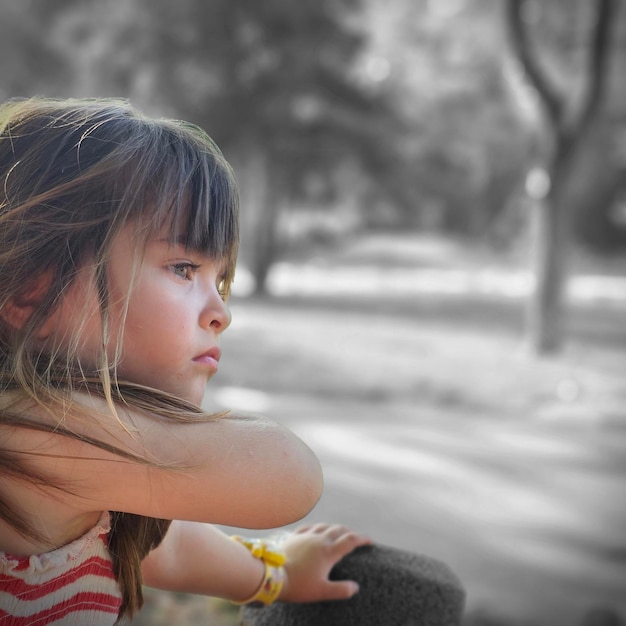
(215,314)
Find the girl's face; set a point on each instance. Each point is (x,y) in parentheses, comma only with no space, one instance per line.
(175,316)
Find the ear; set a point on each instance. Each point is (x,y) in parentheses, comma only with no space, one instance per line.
(17,310)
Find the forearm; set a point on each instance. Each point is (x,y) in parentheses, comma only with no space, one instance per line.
(198,558)
(236,471)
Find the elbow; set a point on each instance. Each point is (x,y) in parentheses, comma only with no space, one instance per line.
(309,489)
(297,482)
(277,478)
(298,487)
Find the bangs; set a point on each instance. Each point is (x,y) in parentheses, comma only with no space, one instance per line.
(194,198)
(77,172)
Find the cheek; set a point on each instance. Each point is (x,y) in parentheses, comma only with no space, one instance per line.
(156,325)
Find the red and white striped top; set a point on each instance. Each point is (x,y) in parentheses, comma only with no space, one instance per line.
(71,586)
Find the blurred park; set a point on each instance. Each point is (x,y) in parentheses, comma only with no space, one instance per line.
(432,279)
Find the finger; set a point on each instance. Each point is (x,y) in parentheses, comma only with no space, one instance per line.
(312,528)
(349,542)
(341,590)
(336,531)
(302,529)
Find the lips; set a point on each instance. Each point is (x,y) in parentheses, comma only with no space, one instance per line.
(209,358)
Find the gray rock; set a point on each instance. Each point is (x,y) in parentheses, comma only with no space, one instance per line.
(397,588)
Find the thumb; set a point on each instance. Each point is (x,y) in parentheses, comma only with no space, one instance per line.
(341,589)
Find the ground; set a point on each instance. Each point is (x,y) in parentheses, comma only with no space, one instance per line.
(402,362)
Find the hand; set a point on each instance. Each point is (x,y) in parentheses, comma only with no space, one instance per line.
(311,553)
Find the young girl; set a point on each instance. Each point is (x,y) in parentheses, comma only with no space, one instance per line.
(118,238)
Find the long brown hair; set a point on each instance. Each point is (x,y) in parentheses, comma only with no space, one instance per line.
(72,174)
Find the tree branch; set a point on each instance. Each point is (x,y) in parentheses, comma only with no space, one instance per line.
(550,99)
(598,63)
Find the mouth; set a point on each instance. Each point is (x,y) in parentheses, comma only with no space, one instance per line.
(209,358)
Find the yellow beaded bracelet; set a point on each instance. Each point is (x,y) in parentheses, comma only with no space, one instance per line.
(274,576)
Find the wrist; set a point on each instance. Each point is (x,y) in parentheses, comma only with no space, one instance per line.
(251,582)
(274,574)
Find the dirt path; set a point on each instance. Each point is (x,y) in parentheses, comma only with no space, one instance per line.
(443,440)
(530,517)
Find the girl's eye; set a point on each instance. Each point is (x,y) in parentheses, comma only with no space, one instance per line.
(184,270)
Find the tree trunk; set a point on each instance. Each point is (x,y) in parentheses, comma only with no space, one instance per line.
(265,243)
(259,215)
(550,237)
(551,222)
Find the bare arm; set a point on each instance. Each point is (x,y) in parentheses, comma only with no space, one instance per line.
(198,558)
(245,472)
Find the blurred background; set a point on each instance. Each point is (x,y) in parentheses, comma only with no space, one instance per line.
(432,285)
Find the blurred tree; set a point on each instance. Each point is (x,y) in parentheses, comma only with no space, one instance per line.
(400,113)
(286,108)
(440,62)
(272,82)
(27,58)
(596,195)
(565,128)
